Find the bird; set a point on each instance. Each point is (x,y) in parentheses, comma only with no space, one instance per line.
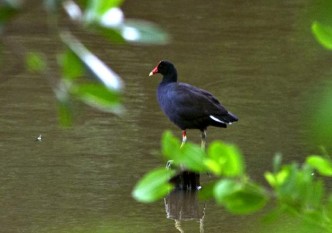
(187,106)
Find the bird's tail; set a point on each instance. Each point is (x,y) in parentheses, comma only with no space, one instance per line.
(230,117)
(223,120)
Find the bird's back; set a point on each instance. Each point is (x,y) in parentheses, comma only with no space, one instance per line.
(190,107)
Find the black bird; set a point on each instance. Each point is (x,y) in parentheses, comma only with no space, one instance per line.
(187,106)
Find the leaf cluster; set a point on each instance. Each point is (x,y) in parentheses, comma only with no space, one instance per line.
(292,188)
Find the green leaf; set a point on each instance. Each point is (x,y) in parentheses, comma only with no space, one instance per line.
(104,12)
(299,189)
(73,10)
(315,194)
(98,96)
(99,7)
(71,65)
(207,191)
(213,166)
(270,178)
(328,206)
(143,32)
(288,179)
(321,118)
(35,62)
(169,144)
(278,178)
(322,165)
(8,9)
(106,18)
(190,156)
(92,63)
(224,159)
(154,185)
(131,31)
(239,198)
(323,34)
(110,33)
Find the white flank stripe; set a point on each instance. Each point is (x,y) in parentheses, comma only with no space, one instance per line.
(216,119)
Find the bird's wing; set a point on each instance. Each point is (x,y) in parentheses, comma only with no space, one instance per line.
(191,102)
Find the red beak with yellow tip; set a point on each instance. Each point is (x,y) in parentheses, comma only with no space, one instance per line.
(154,71)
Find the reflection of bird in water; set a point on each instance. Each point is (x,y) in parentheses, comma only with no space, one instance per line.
(178,226)
(182,206)
(201,225)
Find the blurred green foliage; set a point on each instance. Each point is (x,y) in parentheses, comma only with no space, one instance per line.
(35,62)
(323,34)
(154,185)
(292,188)
(85,77)
(321,29)
(8,9)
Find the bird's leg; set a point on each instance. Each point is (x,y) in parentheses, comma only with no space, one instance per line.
(184,138)
(203,142)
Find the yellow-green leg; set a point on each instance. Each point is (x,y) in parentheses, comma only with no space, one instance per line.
(203,142)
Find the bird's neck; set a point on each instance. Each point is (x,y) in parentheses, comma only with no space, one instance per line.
(170,78)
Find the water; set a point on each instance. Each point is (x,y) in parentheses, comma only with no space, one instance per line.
(258,58)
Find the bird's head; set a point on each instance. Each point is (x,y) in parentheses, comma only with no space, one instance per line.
(164,68)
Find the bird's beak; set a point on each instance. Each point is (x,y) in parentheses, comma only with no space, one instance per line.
(154,71)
